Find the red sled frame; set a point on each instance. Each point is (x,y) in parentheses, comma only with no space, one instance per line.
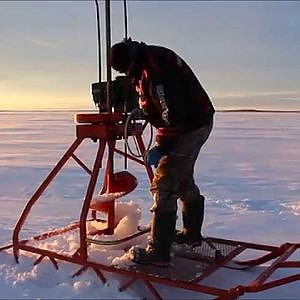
(107,128)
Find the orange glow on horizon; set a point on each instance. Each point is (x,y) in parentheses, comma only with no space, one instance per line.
(35,101)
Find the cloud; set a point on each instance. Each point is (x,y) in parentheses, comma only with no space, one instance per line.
(41,43)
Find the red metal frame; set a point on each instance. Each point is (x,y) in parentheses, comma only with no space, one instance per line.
(107,128)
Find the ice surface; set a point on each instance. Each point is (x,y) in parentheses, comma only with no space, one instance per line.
(249,171)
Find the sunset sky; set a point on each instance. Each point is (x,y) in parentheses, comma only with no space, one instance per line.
(246,54)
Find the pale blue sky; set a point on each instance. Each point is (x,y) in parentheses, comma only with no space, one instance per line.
(246,54)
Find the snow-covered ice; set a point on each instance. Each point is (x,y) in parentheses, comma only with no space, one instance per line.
(249,171)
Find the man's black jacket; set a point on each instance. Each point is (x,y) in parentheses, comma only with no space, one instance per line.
(169,94)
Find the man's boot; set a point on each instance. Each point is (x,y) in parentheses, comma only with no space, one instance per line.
(192,217)
(162,235)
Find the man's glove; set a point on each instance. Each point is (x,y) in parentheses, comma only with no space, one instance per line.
(153,156)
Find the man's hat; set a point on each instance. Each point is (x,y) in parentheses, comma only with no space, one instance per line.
(123,55)
(120,57)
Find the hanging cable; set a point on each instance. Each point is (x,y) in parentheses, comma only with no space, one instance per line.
(108,62)
(99,40)
(99,44)
(135,114)
(125,38)
(125,20)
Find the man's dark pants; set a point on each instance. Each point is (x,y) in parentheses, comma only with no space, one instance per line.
(174,179)
(174,176)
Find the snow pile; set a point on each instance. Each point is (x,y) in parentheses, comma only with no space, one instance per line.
(127,220)
(106,197)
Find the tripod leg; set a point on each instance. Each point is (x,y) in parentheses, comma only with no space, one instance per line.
(88,198)
(39,192)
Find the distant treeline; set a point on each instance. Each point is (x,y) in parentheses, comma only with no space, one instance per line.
(95,110)
(258,110)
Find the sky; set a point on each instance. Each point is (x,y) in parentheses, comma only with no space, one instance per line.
(245,54)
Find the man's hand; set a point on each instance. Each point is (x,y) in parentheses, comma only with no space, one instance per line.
(153,156)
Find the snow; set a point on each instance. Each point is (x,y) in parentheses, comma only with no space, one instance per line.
(249,172)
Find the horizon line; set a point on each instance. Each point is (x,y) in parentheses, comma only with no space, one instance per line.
(251,110)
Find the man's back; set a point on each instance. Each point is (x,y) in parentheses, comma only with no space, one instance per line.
(188,103)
